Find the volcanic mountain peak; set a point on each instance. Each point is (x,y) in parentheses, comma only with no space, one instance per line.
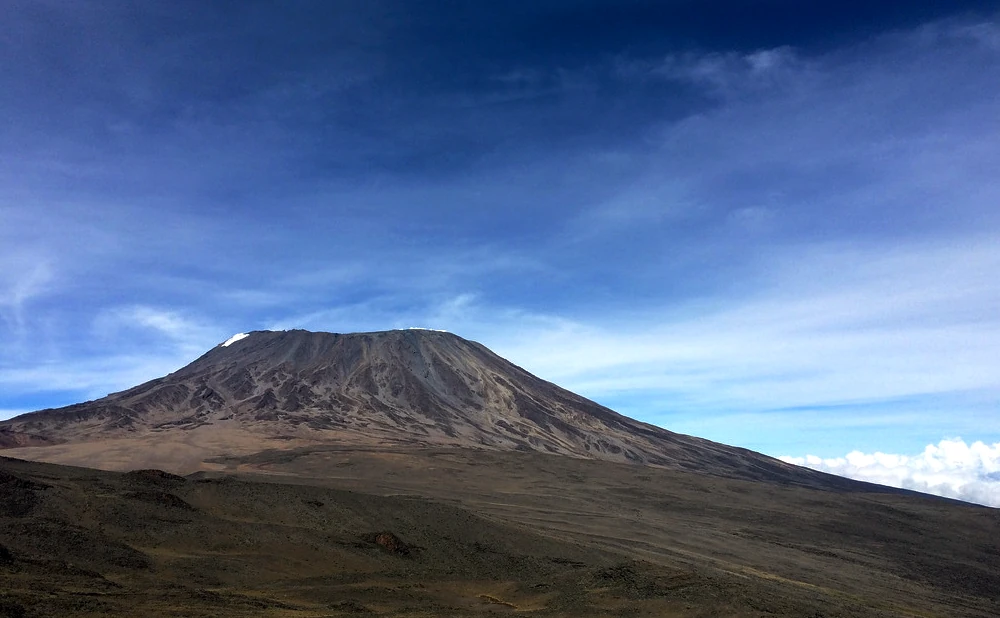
(406,387)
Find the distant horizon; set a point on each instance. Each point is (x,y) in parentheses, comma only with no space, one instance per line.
(769,226)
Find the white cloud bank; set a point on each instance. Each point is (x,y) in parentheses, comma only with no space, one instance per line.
(952,468)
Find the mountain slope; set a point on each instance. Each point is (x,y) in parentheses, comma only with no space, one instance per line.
(402,387)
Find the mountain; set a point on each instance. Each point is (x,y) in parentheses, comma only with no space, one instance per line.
(410,387)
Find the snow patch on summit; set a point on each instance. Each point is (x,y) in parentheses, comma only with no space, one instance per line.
(234,339)
(430,329)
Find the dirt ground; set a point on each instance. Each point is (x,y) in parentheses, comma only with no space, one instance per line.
(451,532)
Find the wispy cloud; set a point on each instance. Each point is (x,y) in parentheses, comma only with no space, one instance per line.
(23,278)
(733,74)
(952,469)
(187,334)
(825,325)
(89,377)
(124,346)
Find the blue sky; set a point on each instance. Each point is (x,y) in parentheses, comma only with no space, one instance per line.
(774,224)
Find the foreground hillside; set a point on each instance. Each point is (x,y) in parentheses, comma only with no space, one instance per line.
(453,532)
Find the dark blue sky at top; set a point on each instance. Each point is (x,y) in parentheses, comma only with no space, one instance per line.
(684,197)
(356,89)
(365,93)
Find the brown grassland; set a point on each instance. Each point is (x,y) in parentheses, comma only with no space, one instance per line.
(338,531)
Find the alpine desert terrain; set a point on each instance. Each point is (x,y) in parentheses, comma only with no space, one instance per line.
(414,473)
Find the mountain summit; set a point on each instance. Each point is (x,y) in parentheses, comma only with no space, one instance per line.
(414,387)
